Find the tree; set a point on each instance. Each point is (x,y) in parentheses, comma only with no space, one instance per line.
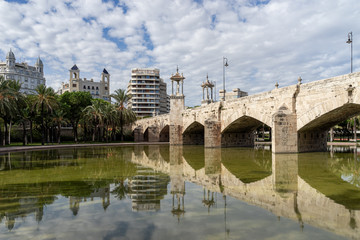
(125,115)
(44,101)
(94,116)
(10,98)
(73,104)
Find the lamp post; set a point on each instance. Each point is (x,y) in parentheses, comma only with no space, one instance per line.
(350,41)
(225,64)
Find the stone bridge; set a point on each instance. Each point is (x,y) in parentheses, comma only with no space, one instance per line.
(283,192)
(299,116)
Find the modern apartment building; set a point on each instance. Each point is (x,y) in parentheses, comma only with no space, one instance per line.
(29,76)
(148,90)
(96,89)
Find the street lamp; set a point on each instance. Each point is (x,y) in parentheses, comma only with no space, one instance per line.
(350,41)
(225,64)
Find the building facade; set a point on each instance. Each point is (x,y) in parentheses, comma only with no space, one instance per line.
(99,90)
(148,91)
(29,76)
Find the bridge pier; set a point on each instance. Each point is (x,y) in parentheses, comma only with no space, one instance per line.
(153,134)
(212,133)
(138,134)
(284,131)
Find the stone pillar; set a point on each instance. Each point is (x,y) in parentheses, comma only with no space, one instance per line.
(138,134)
(212,132)
(284,131)
(176,121)
(154,134)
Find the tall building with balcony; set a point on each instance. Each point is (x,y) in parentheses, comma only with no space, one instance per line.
(29,76)
(96,89)
(148,90)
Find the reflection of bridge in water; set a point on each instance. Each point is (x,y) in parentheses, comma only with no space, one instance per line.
(284,189)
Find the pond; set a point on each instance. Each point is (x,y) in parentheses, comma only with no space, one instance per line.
(179,192)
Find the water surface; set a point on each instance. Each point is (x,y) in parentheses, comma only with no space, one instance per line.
(183,192)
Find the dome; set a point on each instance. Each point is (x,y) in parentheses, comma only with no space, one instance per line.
(10,55)
(39,62)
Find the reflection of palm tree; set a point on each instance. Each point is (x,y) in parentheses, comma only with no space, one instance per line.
(121,190)
(348,169)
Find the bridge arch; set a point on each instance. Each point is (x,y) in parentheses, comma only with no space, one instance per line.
(240,132)
(164,134)
(194,134)
(313,126)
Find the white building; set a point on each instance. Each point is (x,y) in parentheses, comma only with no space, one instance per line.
(96,89)
(29,77)
(236,93)
(148,92)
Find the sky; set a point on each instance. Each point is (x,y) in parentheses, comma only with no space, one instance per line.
(265,41)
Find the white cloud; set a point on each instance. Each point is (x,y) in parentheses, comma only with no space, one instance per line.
(264,42)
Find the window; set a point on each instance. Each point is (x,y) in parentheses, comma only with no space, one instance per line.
(88,87)
(92,88)
(106,88)
(74,85)
(97,88)
(84,87)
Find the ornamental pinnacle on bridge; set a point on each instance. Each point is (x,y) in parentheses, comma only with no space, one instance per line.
(178,79)
(177,106)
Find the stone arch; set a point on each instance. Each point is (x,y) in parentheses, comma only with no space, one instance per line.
(146,135)
(194,134)
(165,134)
(240,132)
(228,119)
(313,126)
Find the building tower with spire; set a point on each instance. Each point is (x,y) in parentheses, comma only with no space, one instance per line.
(99,90)
(29,76)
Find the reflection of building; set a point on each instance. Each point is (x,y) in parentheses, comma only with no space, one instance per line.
(96,89)
(147,188)
(29,76)
(236,93)
(148,92)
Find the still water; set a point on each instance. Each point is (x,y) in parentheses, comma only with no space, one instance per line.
(184,192)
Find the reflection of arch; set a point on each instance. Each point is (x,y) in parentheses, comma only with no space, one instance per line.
(247,165)
(240,132)
(323,118)
(194,134)
(317,167)
(194,156)
(164,134)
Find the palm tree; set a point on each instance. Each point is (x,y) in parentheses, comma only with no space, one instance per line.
(10,98)
(94,115)
(45,101)
(125,115)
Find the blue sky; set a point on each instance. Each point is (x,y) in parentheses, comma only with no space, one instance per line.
(265,41)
